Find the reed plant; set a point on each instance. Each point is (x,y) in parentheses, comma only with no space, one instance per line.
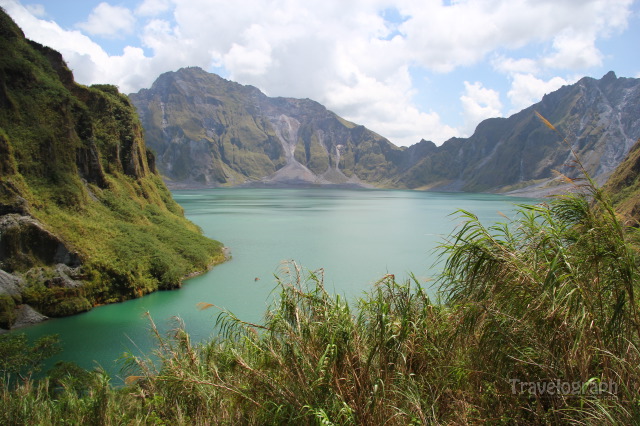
(549,298)
(546,298)
(312,360)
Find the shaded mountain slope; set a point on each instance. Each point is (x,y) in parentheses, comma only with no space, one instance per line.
(84,217)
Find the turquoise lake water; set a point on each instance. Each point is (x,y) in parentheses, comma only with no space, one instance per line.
(356,236)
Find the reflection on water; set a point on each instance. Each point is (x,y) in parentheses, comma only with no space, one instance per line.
(356,236)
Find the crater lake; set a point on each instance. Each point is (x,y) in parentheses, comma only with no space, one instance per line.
(354,236)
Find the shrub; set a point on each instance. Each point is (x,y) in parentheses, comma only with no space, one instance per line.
(7,311)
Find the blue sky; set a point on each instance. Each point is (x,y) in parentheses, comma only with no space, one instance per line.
(407,69)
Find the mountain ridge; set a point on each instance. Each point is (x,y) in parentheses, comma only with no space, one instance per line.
(504,153)
(249,138)
(195,119)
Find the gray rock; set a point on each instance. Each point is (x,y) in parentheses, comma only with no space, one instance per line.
(24,239)
(66,276)
(28,316)
(243,136)
(19,206)
(60,276)
(10,284)
(236,135)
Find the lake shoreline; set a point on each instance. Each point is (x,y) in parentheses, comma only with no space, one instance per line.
(356,237)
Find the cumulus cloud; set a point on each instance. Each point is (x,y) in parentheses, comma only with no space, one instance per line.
(78,50)
(573,51)
(385,107)
(253,57)
(478,103)
(445,37)
(109,21)
(350,56)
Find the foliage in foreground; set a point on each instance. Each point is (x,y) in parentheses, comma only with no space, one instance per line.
(549,298)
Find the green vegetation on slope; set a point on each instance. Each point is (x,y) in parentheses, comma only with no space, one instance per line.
(539,325)
(624,187)
(540,322)
(84,217)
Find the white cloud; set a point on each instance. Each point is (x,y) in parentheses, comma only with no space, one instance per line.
(69,43)
(345,54)
(513,66)
(109,21)
(527,90)
(385,107)
(254,56)
(571,46)
(36,10)
(573,51)
(478,103)
(445,37)
(153,7)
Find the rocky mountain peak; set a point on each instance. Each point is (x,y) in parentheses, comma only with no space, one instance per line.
(210,131)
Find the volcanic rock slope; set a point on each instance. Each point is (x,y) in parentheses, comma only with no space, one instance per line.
(209,131)
(623,187)
(598,120)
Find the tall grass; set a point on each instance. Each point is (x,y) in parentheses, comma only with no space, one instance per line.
(312,360)
(549,298)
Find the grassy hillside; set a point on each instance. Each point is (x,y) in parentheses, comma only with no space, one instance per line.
(624,187)
(84,217)
(537,321)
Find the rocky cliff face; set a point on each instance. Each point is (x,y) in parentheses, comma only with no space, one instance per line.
(84,217)
(209,131)
(598,118)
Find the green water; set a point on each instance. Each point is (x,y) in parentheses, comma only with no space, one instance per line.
(356,236)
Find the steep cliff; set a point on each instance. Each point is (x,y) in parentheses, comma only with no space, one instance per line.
(598,117)
(209,131)
(84,217)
